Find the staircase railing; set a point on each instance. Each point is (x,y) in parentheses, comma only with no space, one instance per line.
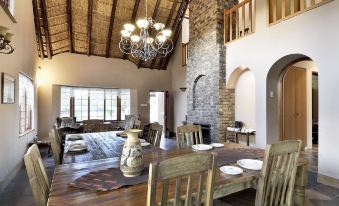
(239,21)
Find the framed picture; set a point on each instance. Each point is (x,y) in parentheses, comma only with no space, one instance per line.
(7,89)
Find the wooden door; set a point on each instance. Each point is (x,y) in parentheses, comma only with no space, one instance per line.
(294,124)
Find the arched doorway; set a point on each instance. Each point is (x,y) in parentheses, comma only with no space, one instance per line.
(242,83)
(291,100)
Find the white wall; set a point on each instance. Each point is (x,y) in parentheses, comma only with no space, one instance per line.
(245,99)
(13,147)
(178,73)
(315,34)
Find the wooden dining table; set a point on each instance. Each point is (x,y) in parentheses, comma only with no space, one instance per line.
(62,193)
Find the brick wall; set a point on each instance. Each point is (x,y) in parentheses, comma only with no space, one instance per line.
(213,103)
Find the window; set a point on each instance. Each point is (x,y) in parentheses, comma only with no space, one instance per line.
(95,103)
(26,103)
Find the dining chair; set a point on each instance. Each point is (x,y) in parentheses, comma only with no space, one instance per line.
(37,175)
(129,121)
(277,176)
(65,121)
(195,171)
(137,124)
(189,135)
(93,125)
(154,134)
(56,147)
(57,134)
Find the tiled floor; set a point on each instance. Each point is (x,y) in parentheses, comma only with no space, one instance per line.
(18,192)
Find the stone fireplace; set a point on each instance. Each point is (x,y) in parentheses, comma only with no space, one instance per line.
(209,102)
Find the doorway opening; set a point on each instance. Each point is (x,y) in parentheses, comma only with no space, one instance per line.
(158,105)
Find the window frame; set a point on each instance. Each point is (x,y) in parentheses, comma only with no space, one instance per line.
(118,103)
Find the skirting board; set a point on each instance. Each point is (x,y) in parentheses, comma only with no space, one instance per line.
(10,177)
(330,181)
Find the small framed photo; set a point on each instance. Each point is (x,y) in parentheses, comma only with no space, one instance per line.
(7,89)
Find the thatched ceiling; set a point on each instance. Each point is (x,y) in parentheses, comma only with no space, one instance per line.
(92,27)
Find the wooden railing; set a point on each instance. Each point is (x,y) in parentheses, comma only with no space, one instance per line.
(239,21)
(280,10)
(184,54)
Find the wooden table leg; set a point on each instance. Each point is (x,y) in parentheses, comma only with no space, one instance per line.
(236,138)
(248,139)
(300,185)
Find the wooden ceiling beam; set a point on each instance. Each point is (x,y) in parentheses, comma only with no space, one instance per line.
(110,29)
(169,18)
(177,25)
(46,28)
(70,25)
(89,26)
(37,28)
(134,16)
(154,16)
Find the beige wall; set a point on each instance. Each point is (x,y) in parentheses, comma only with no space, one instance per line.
(13,147)
(81,70)
(178,73)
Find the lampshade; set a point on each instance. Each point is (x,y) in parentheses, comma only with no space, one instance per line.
(8,37)
(129,27)
(167,32)
(125,33)
(161,38)
(135,38)
(3,30)
(149,40)
(159,26)
(142,23)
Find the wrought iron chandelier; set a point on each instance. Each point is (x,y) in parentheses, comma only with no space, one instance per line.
(5,39)
(144,46)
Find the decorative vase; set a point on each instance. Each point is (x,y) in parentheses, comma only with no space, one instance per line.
(131,162)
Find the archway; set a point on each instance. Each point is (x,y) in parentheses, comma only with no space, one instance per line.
(274,96)
(242,83)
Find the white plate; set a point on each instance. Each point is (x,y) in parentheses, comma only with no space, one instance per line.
(74,137)
(144,144)
(217,145)
(231,170)
(142,140)
(202,147)
(250,164)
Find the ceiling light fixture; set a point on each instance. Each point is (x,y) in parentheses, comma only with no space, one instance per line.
(143,46)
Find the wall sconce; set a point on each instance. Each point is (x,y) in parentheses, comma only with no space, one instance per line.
(5,39)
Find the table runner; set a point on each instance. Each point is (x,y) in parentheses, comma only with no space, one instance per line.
(108,179)
(112,178)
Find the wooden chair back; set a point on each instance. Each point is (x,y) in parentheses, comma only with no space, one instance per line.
(277,176)
(56,147)
(192,167)
(37,175)
(137,124)
(154,134)
(93,125)
(189,135)
(65,121)
(57,134)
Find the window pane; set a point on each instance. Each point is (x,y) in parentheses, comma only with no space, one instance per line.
(81,104)
(125,103)
(111,104)
(65,107)
(26,103)
(97,98)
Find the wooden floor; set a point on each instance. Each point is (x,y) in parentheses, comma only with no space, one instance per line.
(18,192)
